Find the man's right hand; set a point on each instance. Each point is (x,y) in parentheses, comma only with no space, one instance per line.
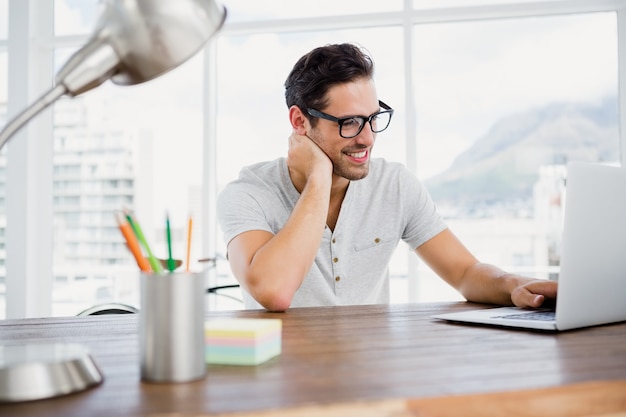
(307,160)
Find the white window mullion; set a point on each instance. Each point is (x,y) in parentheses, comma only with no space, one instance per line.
(411,131)
(29,163)
(209,185)
(621,65)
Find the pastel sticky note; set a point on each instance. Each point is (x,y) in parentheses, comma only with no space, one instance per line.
(242,341)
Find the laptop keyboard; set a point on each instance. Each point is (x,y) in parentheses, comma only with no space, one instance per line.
(534,315)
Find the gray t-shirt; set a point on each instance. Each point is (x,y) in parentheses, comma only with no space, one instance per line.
(351,266)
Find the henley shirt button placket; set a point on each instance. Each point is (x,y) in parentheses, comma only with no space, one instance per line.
(337,277)
(335,261)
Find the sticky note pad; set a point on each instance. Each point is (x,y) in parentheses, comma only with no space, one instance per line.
(242,341)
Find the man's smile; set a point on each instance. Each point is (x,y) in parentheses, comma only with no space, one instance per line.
(358,156)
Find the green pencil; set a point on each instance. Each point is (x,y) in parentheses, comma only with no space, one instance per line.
(154,262)
(171,265)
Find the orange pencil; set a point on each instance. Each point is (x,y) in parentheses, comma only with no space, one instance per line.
(189,226)
(132,242)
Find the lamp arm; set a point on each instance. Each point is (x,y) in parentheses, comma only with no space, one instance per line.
(135,41)
(89,67)
(18,121)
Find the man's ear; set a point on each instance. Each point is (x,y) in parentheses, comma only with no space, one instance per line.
(298,120)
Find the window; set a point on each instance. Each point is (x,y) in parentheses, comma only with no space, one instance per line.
(158,125)
(74,17)
(501,104)
(4,25)
(244,10)
(460,87)
(429,4)
(4,21)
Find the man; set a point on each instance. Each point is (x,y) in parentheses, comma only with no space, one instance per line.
(320,226)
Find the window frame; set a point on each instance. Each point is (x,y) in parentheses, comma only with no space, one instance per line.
(30,72)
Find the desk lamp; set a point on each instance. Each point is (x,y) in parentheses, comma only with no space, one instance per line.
(134,41)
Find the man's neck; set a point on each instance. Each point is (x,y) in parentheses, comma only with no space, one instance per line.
(338,190)
(337,194)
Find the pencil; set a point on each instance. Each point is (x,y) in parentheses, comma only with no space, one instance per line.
(154,262)
(171,265)
(131,242)
(189,228)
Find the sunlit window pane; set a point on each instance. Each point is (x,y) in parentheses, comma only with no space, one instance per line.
(137,147)
(245,10)
(3,164)
(502,105)
(3,85)
(74,17)
(430,4)
(4,19)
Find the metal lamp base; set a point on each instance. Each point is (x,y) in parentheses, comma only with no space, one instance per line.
(38,371)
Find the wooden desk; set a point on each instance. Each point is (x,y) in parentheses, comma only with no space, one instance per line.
(330,355)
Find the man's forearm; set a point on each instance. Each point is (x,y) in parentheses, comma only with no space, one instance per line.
(489,284)
(278,268)
(484,283)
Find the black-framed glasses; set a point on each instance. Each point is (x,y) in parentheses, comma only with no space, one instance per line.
(351,126)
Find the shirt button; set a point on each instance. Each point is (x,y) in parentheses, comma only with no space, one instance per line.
(337,279)
(334,240)
(377,240)
(335,260)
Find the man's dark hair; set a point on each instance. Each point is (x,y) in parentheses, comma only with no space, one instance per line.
(322,68)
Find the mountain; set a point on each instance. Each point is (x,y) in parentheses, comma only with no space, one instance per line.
(503,164)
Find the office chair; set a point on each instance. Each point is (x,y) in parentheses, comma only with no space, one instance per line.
(121,308)
(109,308)
(216,290)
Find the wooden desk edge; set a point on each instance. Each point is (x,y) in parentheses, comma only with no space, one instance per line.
(588,399)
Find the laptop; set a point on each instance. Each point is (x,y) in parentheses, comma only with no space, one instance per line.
(592,281)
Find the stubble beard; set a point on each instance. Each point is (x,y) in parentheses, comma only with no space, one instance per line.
(348,172)
(341,167)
